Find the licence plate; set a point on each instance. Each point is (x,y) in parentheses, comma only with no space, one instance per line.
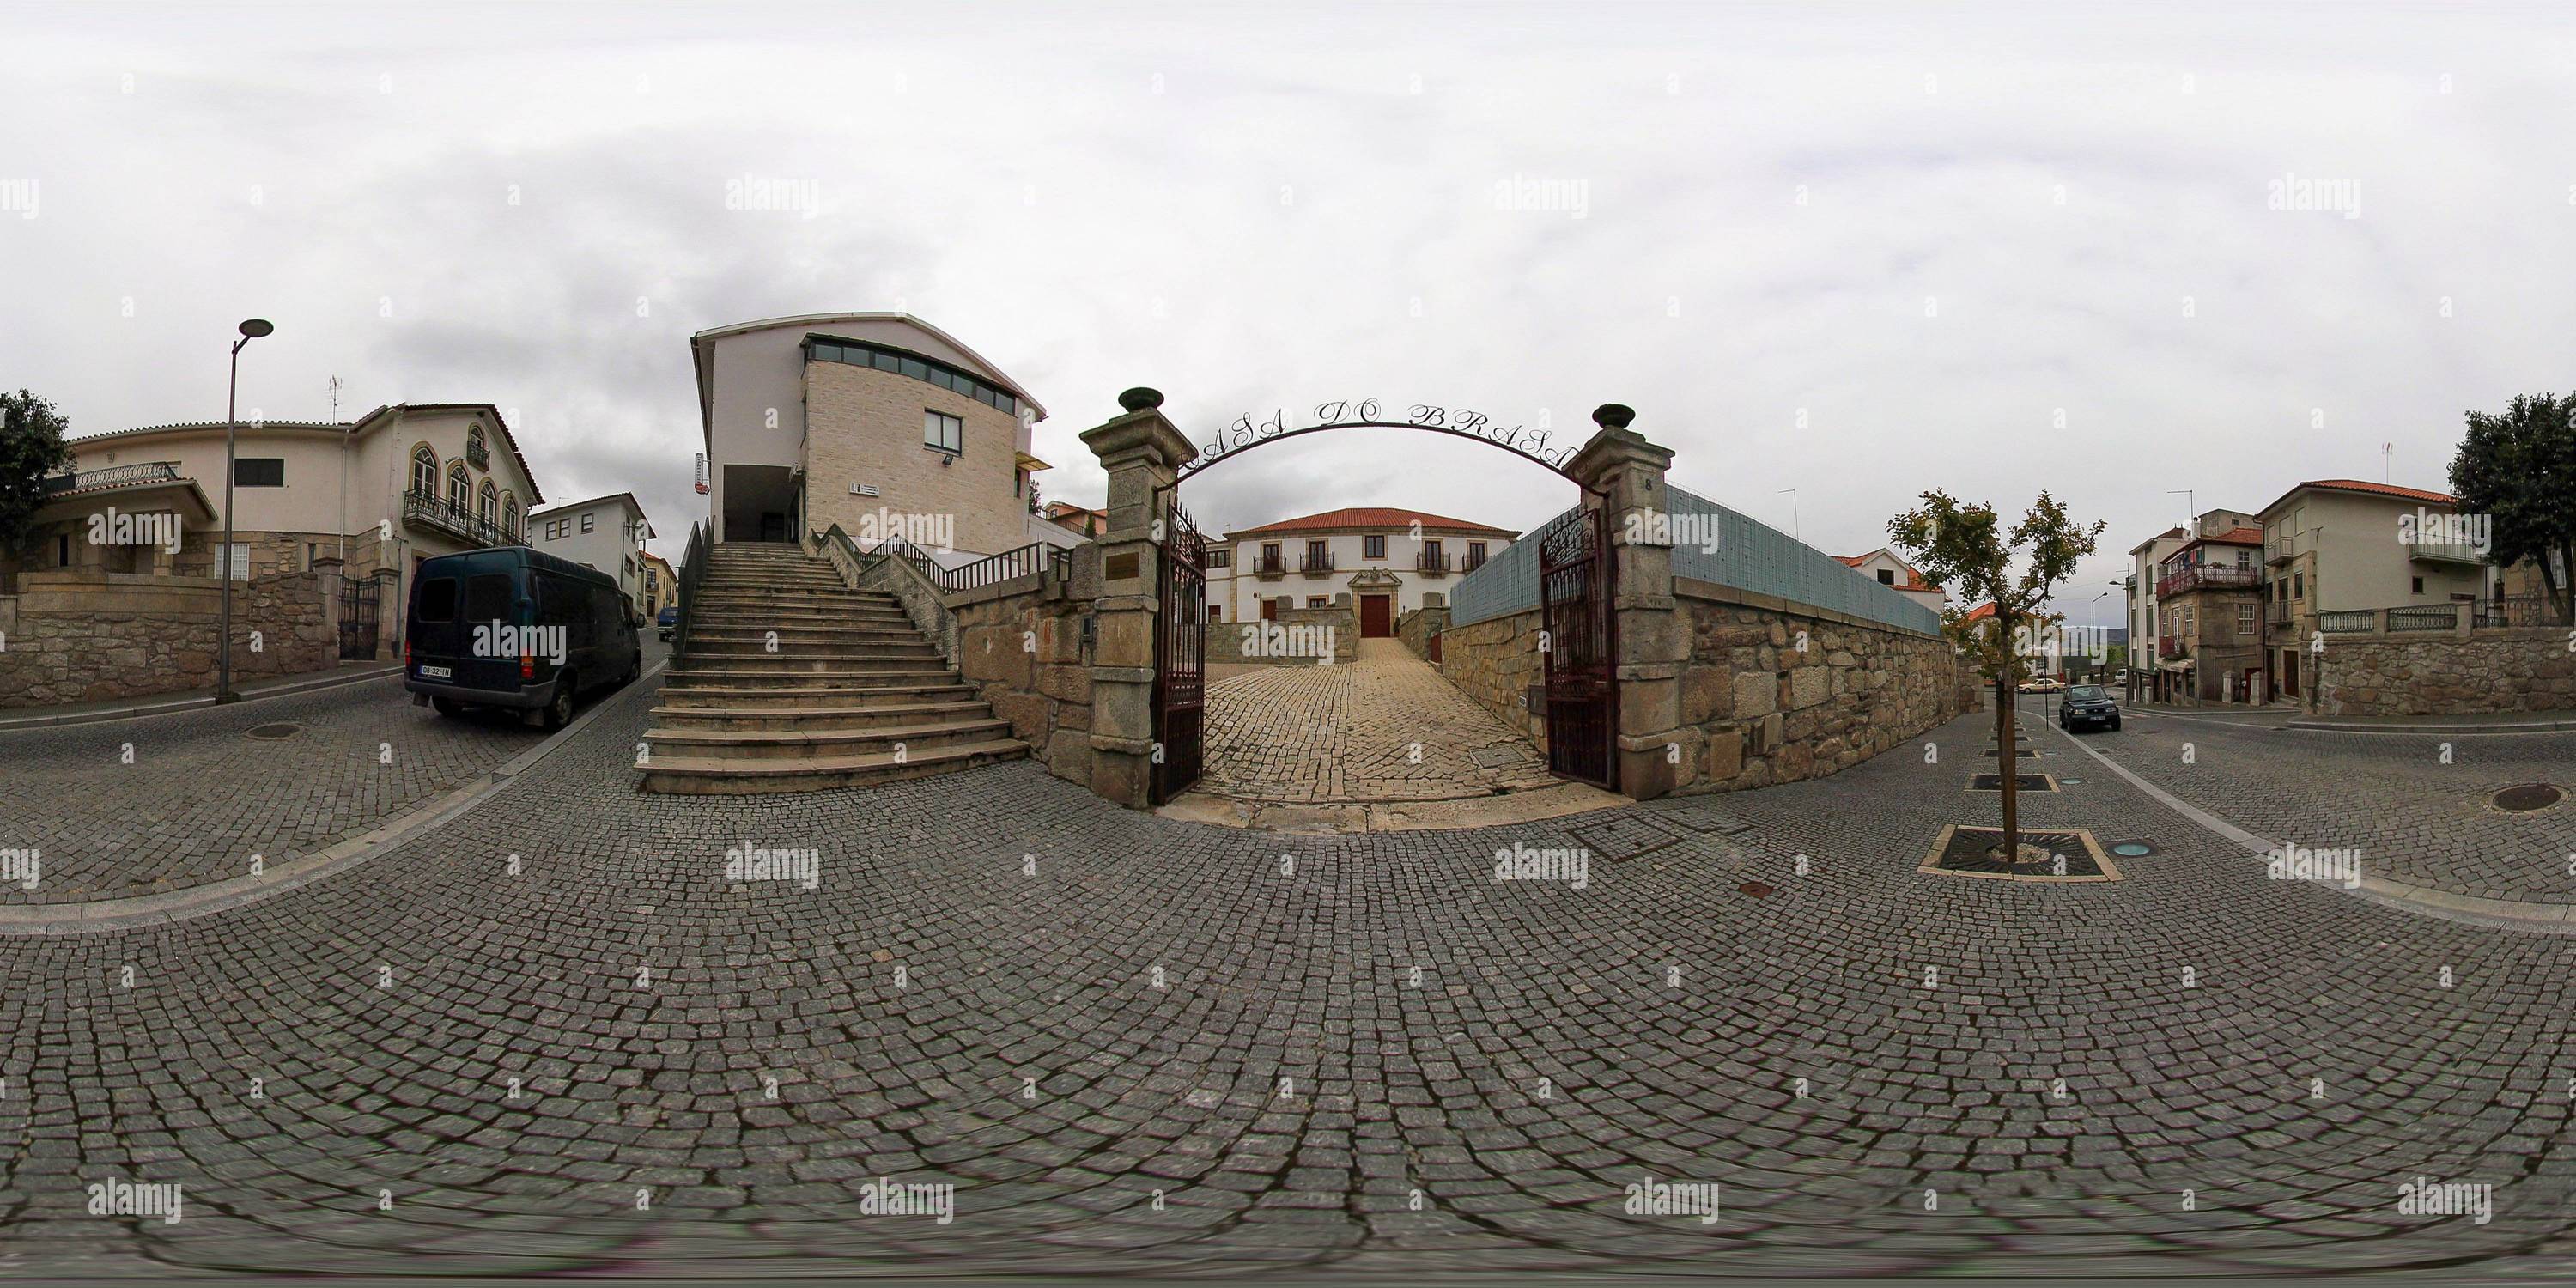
(436,673)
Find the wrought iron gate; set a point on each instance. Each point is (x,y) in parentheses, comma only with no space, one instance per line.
(359,609)
(1180,656)
(1575,591)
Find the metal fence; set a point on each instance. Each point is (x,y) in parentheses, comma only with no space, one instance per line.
(1747,556)
(1035,557)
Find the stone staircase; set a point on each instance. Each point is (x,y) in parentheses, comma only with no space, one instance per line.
(851,695)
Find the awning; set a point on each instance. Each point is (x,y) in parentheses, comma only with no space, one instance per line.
(1033,464)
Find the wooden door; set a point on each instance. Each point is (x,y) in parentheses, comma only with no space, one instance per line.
(1377,616)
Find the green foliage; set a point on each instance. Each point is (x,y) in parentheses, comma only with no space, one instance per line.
(2519,468)
(1968,546)
(31,447)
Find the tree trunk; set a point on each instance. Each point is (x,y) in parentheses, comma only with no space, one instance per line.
(2008,760)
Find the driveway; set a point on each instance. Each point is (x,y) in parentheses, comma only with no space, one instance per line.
(1387,727)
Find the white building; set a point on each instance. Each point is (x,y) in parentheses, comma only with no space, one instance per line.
(607,533)
(1386,559)
(1882,565)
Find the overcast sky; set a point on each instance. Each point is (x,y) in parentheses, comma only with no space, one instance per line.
(1856,252)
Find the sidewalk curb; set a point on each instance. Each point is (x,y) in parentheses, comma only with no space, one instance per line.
(172,906)
(2499,914)
(2454,730)
(390,670)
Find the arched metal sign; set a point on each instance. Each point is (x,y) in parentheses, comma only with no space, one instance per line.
(1364,413)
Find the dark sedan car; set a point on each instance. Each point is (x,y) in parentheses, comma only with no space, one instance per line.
(667,621)
(2087,706)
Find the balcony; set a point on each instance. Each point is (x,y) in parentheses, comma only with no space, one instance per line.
(1474,562)
(2444,552)
(2172,649)
(2278,614)
(2280,549)
(144,472)
(1317,565)
(456,521)
(1269,568)
(2207,577)
(1432,563)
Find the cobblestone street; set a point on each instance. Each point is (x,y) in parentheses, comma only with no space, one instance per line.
(1388,727)
(552,1036)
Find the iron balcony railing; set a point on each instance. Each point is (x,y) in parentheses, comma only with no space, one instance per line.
(1433,563)
(2206,577)
(1474,562)
(144,472)
(2171,649)
(2445,552)
(2280,549)
(1269,567)
(455,520)
(2424,617)
(2276,614)
(1317,565)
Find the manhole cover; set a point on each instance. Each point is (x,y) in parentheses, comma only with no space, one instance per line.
(2132,849)
(273,731)
(2528,796)
(1755,888)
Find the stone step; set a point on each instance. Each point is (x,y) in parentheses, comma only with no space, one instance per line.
(801,696)
(712,777)
(752,597)
(735,677)
(817,660)
(826,742)
(713,619)
(757,638)
(741,719)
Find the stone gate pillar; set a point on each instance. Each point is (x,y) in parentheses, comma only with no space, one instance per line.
(1140,450)
(1623,474)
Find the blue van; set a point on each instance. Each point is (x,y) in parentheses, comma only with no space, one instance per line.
(515,628)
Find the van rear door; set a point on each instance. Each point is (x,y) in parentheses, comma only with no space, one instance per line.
(432,630)
(490,617)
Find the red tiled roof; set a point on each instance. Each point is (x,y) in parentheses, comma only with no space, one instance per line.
(2232,537)
(2368,489)
(1981,612)
(1368,516)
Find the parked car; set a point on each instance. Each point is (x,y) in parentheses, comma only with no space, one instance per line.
(2042,684)
(2120,678)
(2088,706)
(515,628)
(667,622)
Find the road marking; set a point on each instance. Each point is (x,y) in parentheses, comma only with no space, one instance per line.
(2502,914)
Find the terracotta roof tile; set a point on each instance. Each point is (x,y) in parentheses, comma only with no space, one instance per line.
(1368,516)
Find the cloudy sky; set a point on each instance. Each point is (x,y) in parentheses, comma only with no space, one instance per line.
(1855,252)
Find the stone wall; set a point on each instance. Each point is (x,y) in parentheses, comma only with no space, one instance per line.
(1495,662)
(1757,708)
(1297,641)
(1416,628)
(2448,673)
(94,637)
(1020,644)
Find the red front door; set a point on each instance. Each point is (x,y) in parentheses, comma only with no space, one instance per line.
(1377,616)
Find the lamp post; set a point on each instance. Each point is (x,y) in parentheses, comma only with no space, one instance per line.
(251,330)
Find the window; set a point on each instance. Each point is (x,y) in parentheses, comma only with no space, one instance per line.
(2298,585)
(2419,585)
(1316,553)
(589,522)
(1318,601)
(456,486)
(943,432)
(1370,547)
(510,517)
(487,505)
(424,472)
(2245,617)
(1475,555)
(259,471)
(1223,557)
(2244,558)
(1270,553)
(1887,576)
(1216,613)
(62,552)
(478,453)
(438,599)
(1434,555)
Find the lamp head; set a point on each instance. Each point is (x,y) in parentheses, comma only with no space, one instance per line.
(255,328)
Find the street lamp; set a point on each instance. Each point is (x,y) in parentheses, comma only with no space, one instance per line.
(251,330)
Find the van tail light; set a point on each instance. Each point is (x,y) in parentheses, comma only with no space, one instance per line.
(527,666)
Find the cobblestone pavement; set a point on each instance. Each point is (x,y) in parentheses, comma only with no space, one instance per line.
(1137,1045)
(199,796)
(2415,805)
(1387,727)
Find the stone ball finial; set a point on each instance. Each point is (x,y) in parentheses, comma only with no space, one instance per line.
(1140,398)
(1613,415)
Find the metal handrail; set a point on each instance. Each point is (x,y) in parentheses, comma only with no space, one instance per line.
(1031,559)
(693,569)
(2424,617)
(1428,561)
